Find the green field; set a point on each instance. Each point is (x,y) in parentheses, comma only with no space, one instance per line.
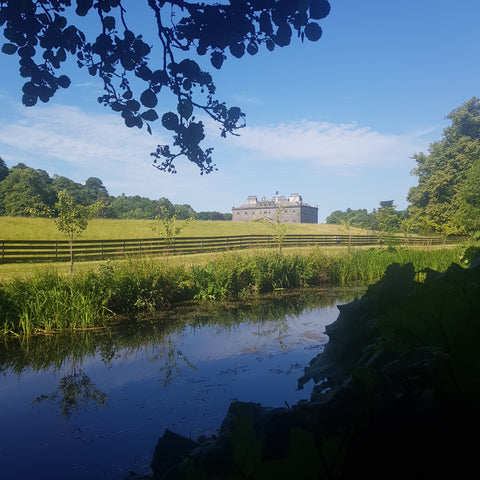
(20,228)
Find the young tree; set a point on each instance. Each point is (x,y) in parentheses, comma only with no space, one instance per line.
(73,219)
(135,71)
(279,230)
(167,226)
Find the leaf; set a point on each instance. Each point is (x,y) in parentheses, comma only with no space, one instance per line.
(63,81)
(160,77)
(109,23)
(284,35)
(319,9)
(185,108)
(170,121)
(144,73)
(313,31)
(252,48)
(133,105)
(216,59)
(9,48)
(83,6)
(148,98)
(150,115)
(237,49)
(29,99)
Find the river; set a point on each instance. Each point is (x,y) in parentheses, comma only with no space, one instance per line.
(93,404)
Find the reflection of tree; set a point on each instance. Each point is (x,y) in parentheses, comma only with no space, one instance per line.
(75,391)
(170,355)
(42,353)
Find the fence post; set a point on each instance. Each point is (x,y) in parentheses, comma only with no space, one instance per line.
(124,248)
(101,246)
(139,247)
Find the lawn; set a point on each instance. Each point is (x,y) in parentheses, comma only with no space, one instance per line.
(20,228)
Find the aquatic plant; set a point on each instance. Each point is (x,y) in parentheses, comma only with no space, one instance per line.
(48,301)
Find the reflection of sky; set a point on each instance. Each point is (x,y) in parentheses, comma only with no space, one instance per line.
(185,385)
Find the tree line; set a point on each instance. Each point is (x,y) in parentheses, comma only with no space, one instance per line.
(30,192)
(446,200)
(385,218)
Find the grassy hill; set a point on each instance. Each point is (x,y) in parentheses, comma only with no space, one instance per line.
(21,228)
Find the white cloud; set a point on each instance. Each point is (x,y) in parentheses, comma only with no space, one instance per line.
(326,144)
(71,142)
(68,141)
(68,134)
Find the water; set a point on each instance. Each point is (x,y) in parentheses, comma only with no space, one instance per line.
(92,405)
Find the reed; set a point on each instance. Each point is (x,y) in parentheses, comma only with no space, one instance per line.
(48,301)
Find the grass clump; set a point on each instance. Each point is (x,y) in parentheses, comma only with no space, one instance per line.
(48,301)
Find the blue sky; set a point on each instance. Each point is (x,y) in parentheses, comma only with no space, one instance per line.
(336,121)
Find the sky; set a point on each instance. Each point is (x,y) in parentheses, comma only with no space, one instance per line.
(336,121)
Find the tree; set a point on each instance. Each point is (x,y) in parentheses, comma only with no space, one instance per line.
(3,175)
(435,202)
(96,189)
(27,192)
(279,230)
(387,219)
(469,200)
(168,227)
(44,37)
(358,218)
(73,219)
(75,190)
(3,169)
(184,211)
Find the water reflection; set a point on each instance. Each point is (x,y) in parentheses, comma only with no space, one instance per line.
(118,389)
(74,393)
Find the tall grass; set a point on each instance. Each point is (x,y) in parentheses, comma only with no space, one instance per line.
(48,301)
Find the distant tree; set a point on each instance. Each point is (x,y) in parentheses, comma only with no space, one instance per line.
(3,169)
(133,207)
(3,175)
(469,201)
(359,218)
(166,203)
(27,192)
(184,211)
(96,188)
(133,74)
(436,202)
(387,219)
(75,190)
(72,219)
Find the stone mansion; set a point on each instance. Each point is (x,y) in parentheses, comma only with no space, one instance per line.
(293,211)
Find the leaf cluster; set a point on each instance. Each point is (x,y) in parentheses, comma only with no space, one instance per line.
(43,36)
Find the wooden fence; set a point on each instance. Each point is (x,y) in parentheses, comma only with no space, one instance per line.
(12,251)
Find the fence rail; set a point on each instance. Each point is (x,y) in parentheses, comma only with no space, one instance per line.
(12,251)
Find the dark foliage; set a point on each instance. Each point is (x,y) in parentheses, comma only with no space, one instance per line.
(44,36)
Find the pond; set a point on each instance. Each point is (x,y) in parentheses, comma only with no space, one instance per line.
(93,404)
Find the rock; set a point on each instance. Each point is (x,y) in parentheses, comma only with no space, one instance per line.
(171,449)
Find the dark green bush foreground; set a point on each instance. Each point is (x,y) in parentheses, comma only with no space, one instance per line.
(48,301)
(396,396)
